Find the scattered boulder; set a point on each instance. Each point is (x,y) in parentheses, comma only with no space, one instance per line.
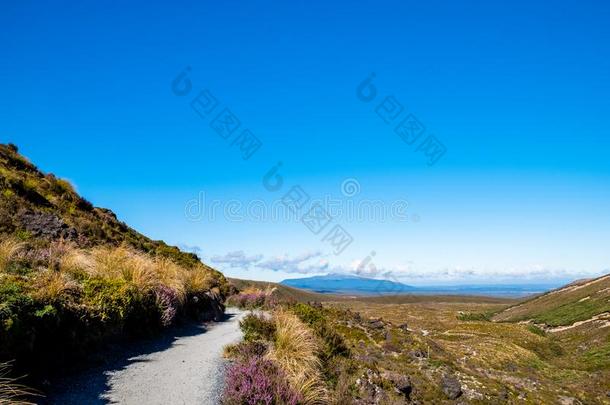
(369,390)
(451,386)
(402,383)
(418,354)
(404,327)
(46,225)
(376,323)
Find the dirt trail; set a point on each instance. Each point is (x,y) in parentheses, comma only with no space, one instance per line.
(184,369)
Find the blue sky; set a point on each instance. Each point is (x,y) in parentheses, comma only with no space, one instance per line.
(517,92)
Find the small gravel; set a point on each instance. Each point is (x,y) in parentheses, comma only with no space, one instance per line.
(188,369)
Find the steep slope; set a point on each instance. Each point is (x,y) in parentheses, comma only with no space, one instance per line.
(575,302)
(41,206)
(73,277)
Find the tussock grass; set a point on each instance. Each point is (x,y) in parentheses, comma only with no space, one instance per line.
(124,264)
(295,351)
(12,393)
(199,278)
(9,248)
(52,286)
(57,298)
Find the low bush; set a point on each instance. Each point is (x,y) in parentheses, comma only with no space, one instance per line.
(249,300)
(257,381)
(257,327)
(246,350)
(57,301)
(334,344)
(536,330)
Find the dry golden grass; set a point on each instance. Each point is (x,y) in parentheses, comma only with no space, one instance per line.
(50,285)
(295,350)
(123,263)
(198,279)
(68,266)
(173,276)
(76,263)
(12,393)
(9,248)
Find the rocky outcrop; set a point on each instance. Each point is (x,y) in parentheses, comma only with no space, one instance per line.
(45,225)
(451,386)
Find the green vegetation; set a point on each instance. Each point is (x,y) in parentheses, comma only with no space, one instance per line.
(570,312)
(34,205)
(573,303)
(74,299)
(598,358)
(73,277)
(257,327)
(535,329)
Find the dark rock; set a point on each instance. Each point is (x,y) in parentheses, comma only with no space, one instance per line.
(46,225)
(451,386)
(206,307)
(401,382)
(418,354)
(376,324)
(504,394)
(404,327)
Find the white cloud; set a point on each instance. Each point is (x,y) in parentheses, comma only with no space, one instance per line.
(316,263)
(237,259)
(305,263)
(191,249)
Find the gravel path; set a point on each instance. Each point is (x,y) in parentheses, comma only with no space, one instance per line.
(184,369)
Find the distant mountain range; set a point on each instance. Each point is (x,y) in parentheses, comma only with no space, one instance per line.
(349,284)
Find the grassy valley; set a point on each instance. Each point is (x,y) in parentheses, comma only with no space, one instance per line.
(435,349)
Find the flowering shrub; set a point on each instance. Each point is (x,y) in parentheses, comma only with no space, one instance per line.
(254,298)
(168,302)
(257,381)
(248,300)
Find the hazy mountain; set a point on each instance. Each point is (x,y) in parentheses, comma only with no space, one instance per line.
(347,284)
(350,284)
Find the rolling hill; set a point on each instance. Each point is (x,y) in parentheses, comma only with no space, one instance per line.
(575,302)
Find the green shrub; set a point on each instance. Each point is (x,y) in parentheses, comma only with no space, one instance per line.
(257,327)
(536,330)
(334,345)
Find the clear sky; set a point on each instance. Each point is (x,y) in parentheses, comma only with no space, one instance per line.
(516,91)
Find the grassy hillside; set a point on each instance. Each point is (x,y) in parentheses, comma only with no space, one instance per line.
(39,206)
(73,277)
(575,302)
